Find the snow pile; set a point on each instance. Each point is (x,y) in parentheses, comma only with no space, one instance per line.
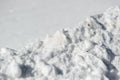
(89,52)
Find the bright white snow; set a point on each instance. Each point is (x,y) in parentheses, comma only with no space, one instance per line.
(89,52)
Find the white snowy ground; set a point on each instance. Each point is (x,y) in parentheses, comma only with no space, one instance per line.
(90,51)
(24,20)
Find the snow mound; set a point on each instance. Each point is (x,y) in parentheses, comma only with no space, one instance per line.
(89,52)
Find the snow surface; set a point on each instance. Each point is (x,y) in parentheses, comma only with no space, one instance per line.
(23,21)
(89,52)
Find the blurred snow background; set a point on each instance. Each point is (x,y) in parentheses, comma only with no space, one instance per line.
(22,21)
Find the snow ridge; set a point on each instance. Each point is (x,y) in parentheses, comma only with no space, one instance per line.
(89,52)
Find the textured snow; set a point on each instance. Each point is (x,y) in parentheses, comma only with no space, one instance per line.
(89,52)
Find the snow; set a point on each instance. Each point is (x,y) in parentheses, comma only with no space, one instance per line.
(88,52)
(23,21)
(13,70)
